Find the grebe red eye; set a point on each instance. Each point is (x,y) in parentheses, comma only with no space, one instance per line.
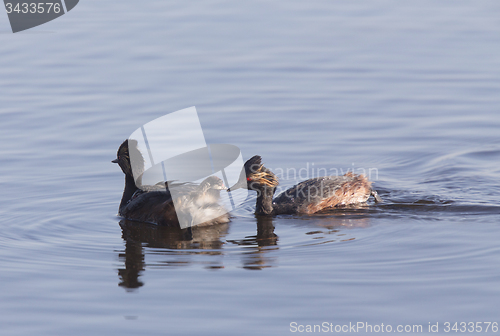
(249,179)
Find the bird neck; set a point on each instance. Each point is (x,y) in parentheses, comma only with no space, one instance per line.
(130,189)
(264,205)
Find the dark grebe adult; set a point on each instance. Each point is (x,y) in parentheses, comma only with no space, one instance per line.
(155,204)
(306,197)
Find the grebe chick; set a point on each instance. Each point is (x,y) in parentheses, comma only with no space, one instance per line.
(306,197)
(203,202)
(208,191)
(155,204)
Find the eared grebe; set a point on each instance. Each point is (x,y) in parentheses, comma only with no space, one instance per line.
(306,197)
(155,204)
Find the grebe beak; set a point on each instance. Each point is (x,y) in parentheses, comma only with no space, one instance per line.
(238,185)
(221,187)
(115,161)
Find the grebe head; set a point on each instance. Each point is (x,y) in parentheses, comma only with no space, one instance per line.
(255,176)
(123,157)
(212,182)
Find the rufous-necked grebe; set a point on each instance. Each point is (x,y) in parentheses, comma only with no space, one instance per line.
(307,197)
(155,204)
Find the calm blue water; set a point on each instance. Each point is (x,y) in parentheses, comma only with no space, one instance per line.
(409,92)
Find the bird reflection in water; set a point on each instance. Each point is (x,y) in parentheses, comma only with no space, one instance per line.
(179,246)
(256,257)
(172,242)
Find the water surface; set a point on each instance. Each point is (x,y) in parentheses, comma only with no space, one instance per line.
(406,92)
